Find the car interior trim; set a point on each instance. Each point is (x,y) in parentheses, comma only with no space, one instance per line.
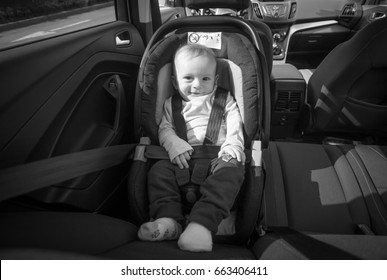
(299,27)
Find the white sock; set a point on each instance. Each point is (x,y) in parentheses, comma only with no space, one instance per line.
(160,229)
(195,238)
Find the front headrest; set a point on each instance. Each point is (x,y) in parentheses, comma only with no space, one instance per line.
(204,4)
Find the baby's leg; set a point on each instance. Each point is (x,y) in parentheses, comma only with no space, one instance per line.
(164,204)
(160,229)
(195,238)
(164,192)
(219,192)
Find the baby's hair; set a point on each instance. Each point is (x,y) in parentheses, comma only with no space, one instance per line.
(195,50)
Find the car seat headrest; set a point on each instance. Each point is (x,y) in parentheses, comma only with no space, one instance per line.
(231,4)
(236,58)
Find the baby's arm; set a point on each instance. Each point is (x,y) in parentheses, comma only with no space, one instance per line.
(182,159)
(234,144)
(179,150)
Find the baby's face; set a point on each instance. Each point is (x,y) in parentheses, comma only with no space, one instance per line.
(195,76)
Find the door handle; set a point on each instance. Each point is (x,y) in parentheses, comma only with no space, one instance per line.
(116,89)
(123,39)
(377,15)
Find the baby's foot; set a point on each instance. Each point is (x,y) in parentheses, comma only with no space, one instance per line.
(195,238)
(160,229)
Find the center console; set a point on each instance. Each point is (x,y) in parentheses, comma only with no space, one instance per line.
(287,98)
(279,15)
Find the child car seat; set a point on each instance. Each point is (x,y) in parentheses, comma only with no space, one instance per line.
(243,71)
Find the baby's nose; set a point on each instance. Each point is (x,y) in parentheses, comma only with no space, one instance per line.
(196,83)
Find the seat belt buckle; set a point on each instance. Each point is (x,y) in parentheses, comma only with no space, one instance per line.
(139,153)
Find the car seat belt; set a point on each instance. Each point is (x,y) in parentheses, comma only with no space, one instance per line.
(311,248)
(28,177)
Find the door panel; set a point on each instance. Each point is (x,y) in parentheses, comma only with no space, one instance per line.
(54,101)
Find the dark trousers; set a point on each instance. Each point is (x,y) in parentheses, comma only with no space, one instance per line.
(218,194)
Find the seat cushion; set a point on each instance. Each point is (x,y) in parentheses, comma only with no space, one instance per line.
(168,250)
(331,246)
(320,192)
(81,233)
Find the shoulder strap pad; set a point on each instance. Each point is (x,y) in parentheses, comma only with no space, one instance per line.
(214,121)
(181,129)
(216,116)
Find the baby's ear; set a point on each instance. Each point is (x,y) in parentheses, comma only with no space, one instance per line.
(216,79)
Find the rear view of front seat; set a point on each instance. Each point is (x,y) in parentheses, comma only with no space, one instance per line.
(327,201)
(347,91)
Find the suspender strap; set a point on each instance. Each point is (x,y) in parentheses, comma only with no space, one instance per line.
(177,105)
(216,116)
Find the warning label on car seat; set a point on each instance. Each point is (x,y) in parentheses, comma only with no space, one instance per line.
(211,40)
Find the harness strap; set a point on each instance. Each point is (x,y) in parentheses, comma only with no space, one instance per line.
(200,171)
(189,186)
(177,106)
(214,121)
(182,176)
(189,180)
(158,152)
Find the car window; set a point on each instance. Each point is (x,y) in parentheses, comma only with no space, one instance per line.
(166,3)
(169,10)
(25,21)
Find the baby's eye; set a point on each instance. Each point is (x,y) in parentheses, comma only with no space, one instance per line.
(206,79)
(187,78)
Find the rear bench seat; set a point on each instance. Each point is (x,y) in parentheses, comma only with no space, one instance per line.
(331,195)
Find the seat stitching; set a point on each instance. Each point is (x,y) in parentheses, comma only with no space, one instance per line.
(369,188)
(292,250)
(340,180)
(377,152)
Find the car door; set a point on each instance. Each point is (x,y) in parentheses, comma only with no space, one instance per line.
(67,84)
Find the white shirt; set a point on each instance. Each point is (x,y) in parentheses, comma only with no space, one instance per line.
(196,113)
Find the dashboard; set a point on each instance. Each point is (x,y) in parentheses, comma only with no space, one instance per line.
(304,31)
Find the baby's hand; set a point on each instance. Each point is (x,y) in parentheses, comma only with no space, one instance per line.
(182,159)
(235,153)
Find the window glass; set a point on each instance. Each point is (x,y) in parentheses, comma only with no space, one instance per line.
(24,21)
(170,11)
(166,3)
